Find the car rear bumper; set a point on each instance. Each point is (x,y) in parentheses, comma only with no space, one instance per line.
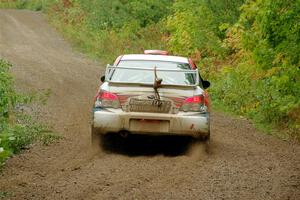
(115,120)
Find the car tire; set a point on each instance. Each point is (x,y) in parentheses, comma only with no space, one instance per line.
(95,138)
(207,143)
(203,137)
(206,137)
(205,140)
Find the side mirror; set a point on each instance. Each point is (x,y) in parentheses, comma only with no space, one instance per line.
(205,84)
(102,79)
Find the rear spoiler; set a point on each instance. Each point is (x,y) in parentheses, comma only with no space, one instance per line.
(110,70)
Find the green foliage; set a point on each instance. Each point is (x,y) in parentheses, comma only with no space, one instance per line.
(192,30)
(36,5)
(17,137)
(17,130)
(5,194)
(277,33)
(197,28)
(7,93)
(266,45)
(7,4)
(103,14)
(106,29)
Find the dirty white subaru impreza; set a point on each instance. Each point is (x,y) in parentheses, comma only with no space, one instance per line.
(152,93)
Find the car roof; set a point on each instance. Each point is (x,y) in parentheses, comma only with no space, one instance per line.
(155,58)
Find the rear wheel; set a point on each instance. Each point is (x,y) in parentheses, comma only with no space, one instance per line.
(207,143)
(204,140)
(205,137)
(95,138)
(207,140)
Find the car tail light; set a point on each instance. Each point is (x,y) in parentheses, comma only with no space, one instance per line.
(106,99)
(194,104)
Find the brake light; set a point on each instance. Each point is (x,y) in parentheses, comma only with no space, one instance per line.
(108,96)
(107,99)
(195,104)
(195,99)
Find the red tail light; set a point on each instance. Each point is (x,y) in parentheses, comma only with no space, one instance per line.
(195,103)
(194,99)
(106,99)
(108,96)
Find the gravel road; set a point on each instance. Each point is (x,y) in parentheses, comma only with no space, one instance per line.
(243,163)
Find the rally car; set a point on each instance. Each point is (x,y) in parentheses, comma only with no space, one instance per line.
(152,93)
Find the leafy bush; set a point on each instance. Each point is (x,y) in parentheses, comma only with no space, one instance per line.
(8,97)
(36,5)
(266,48)
(197,28)
(17,130)
(104,15)
(106,29)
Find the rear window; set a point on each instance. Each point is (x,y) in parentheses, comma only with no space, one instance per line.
(147,77)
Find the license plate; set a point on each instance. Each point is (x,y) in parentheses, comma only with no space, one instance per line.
(151,126)
(150,121)
(146,105)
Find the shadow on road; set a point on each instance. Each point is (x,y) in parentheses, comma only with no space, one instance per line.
(145,145)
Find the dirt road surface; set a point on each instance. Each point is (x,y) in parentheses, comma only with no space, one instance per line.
(243,164)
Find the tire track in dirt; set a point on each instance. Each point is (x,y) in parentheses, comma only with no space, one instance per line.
(244,163)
